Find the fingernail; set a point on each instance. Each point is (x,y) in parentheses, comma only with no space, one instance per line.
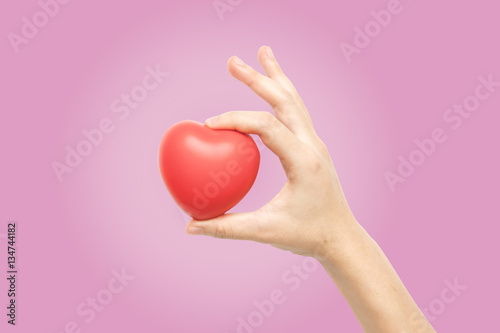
(194,231)
(270,52)
(211,121)
(238,61)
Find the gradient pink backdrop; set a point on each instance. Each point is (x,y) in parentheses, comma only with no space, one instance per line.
(113,211)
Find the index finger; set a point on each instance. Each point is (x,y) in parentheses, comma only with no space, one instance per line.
(276,136)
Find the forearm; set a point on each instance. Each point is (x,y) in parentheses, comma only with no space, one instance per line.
(369,283)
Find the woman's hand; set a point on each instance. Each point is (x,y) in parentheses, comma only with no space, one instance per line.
(310,211)
(310,215)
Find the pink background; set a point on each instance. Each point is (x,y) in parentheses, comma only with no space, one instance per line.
(113,211)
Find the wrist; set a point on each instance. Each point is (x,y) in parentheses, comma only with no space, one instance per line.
(339,240)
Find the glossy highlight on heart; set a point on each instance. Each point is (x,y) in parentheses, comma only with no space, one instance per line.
(206,171)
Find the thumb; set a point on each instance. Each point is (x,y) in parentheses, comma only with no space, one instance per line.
(231,226)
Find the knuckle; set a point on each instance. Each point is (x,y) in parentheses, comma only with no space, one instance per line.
(267,122)
(222,231)
(253,79)
(322,147)
(284,99)
(230,115)
(313,162)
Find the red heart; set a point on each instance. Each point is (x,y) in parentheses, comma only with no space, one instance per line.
(207,171)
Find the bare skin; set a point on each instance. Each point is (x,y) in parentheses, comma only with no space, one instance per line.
(310,215)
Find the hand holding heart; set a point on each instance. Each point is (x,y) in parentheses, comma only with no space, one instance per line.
(310,215)
(310,211)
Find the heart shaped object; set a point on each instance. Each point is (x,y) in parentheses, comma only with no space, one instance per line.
(207,171)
